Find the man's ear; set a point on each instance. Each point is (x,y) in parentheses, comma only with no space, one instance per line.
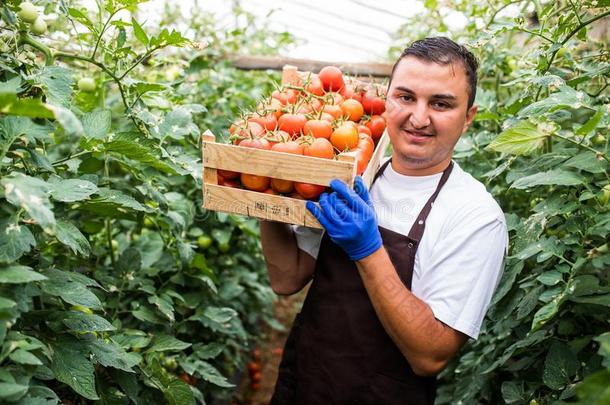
(472,111)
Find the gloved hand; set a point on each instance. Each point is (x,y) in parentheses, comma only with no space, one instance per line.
(349,218)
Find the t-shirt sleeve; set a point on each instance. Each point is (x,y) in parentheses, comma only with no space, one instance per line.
(460,279)
(308,239)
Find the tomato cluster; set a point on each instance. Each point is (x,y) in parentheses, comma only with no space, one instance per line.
(322,115)
(254,369)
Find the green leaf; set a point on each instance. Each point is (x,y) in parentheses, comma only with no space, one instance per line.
(11,128)
(162,343)
(150,247)
(70,288)
(131,146)
(164,305)
(109,354)
(67,119)
(547,312)
(604,348)
(556,177)
(71,190)
(71,236)
(565,98)
(71,365)
(17,274)
(522,138)
(113,203)
(12,391)
(31,194)
(24,357)
(139,33)
(175,391)
(5,303)
(512,392)
(586,161)
(82,322)
(205,371)
(15,240)
(219,315)
(590,125)
(595,389)
(560,365)
(57,83)
(28,107)
(81,17)
(97,124)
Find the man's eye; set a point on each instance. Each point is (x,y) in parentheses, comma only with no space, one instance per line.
(405,98)
(442,105)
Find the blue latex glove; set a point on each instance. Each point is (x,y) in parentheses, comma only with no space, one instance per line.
(349,218)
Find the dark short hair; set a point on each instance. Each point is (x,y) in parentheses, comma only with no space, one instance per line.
(443,51)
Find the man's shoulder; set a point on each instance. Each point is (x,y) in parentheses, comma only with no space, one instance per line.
(466,195)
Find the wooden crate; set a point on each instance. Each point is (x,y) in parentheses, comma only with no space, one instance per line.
(286,166)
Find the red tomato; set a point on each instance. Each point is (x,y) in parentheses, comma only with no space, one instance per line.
(227,174)
(377,125)
(332,78)
(333,110)
(362,160)
(282,186)
(327,117)
(351,91)
(309,191)
(366,144)
(241,131)
(277,136)
(363,129)
(270,191)
(352,109)
(321,148)
(288,96)
(256,143)
(269,121)
(288,147)
(372,103)
(292,123)
(315,86)
(254,182)
(344,137)
(318,128)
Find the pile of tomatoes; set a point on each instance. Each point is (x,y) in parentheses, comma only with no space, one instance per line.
(321,116)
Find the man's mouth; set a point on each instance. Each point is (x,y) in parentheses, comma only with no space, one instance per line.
(418,134)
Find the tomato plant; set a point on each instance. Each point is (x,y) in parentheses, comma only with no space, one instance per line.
(115,286)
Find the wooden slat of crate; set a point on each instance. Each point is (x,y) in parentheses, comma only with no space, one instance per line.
(259,205)
(304,169)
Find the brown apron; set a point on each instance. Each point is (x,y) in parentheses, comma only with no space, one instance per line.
(338,351)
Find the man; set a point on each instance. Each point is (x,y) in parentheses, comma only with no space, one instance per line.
(390,305)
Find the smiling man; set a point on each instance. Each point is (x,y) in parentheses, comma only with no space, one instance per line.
(390,305)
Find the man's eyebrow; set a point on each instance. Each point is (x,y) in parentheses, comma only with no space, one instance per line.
(448,97)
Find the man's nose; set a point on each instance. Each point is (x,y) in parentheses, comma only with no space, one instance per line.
(420,117)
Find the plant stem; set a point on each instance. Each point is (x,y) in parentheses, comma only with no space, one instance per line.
(579,144)
(25,38)
(60,161)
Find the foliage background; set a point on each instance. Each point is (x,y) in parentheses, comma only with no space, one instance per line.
(116,287)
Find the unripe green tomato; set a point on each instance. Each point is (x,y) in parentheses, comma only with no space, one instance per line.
(86,84)
(39,27)
(204,241)
(605,195)
(224,247)
(28,12)
(148,223)
(82,309)
(170,363)
(561,51)
(115,244)
(599,139)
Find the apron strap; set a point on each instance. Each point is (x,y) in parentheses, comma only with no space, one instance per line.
(417,230)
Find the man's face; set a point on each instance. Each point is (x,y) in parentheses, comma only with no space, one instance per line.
(427,112)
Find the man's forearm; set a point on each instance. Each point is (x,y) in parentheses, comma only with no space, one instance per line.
(289,268)
(427,343)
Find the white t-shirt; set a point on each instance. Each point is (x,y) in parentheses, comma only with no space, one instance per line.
(459,260)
